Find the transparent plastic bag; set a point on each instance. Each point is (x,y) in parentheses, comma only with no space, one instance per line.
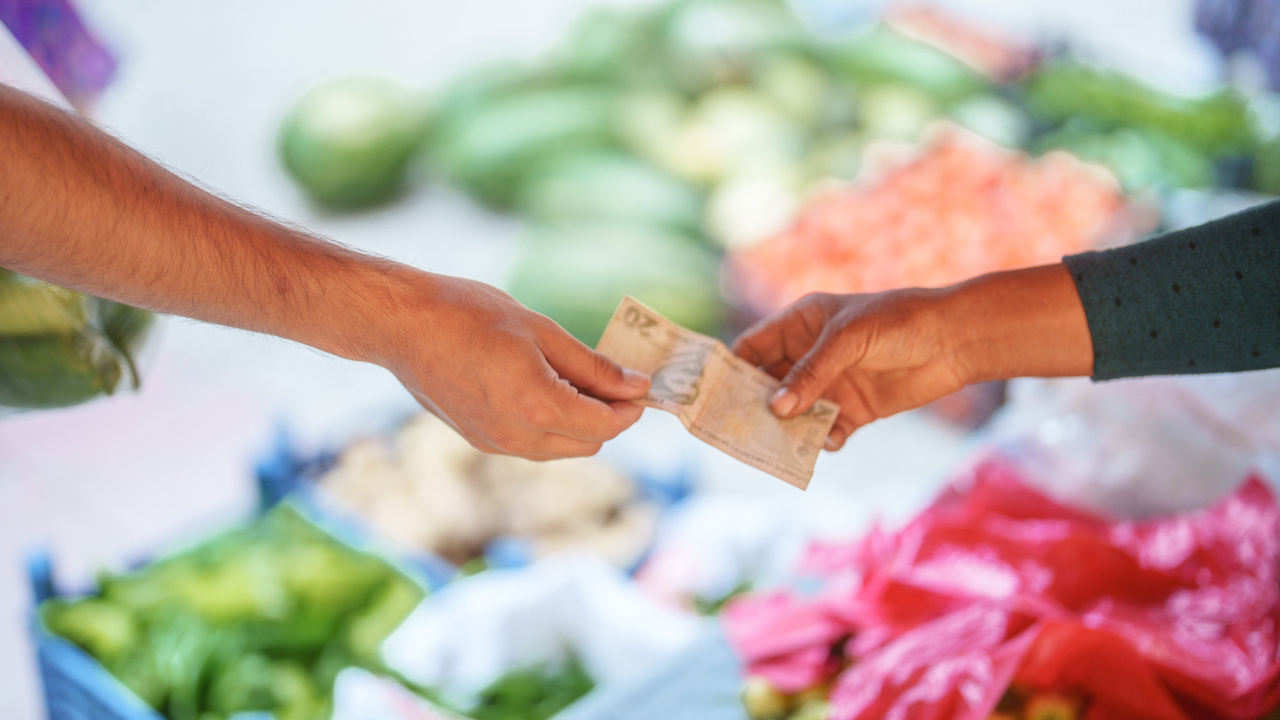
(1143,446)
(59,347)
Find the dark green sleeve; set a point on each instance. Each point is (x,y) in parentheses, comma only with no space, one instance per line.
(1201,300)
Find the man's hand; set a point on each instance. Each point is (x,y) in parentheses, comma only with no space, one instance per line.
(510,380)
(880,354)
(81,209)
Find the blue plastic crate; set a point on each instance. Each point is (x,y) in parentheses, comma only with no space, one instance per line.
(77,687)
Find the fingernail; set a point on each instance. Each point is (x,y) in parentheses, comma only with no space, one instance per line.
(830,444)
(633,379)
(783,401)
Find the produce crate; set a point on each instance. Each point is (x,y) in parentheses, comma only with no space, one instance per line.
(77,687)
(284,472)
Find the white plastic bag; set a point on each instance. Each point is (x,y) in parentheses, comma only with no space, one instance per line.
(472,632)
(1143,446)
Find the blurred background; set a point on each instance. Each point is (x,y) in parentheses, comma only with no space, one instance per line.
(715,158)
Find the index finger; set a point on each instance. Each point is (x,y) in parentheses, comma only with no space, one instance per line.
(582,417)
(763,344)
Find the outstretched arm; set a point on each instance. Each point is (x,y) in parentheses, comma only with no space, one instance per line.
(1203,299)
(81,209)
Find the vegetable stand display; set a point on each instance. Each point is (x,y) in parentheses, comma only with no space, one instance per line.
(260,618)
(661,136)
(675,151)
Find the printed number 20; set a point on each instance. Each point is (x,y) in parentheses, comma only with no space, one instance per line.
(638,320)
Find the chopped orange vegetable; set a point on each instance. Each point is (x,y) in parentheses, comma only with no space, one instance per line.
(962,207)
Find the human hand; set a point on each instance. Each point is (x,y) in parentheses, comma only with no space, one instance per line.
(874,355)
(509,380)
(880,354)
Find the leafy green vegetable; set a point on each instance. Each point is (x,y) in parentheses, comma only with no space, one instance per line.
(1216,124)
(55,371)
(577,275)
(59,347)
(261,618)
(1266,167)
(534,693)
(1139,158)
(348,142)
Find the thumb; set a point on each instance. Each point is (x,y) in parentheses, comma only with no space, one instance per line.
(589,371)
(807,379)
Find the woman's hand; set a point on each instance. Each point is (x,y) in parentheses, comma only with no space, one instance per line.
(509,380)
(880,354)
(875,355)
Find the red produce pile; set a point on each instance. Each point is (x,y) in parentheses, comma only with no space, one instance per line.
(996,593)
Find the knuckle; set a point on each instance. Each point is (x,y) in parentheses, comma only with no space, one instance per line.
(505,441)
(815,298)
(540,413)
(805,373)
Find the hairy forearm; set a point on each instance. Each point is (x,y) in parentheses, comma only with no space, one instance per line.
(81,209)
(1022,323)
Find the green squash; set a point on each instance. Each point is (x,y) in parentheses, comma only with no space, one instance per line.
(577,275)
(608,186)
(489,150)
(348,142)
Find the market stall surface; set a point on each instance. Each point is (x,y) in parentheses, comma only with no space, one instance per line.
(202,88)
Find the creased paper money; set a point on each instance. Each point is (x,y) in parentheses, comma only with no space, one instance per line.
(721,398)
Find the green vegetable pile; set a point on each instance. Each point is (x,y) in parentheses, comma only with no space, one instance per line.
(59,347)
(1145,136)
(535,693)
(261,618)
(652,138)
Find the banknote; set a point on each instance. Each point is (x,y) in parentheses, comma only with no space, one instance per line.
(722,399)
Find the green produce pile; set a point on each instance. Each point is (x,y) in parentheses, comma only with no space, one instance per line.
(535,693)
(1145,136)
(59,347)
(261,618)
(652,138)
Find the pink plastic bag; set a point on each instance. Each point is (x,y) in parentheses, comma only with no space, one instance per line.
(997,586)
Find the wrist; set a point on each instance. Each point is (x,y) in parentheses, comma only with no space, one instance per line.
(382,300)
(1020,323)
